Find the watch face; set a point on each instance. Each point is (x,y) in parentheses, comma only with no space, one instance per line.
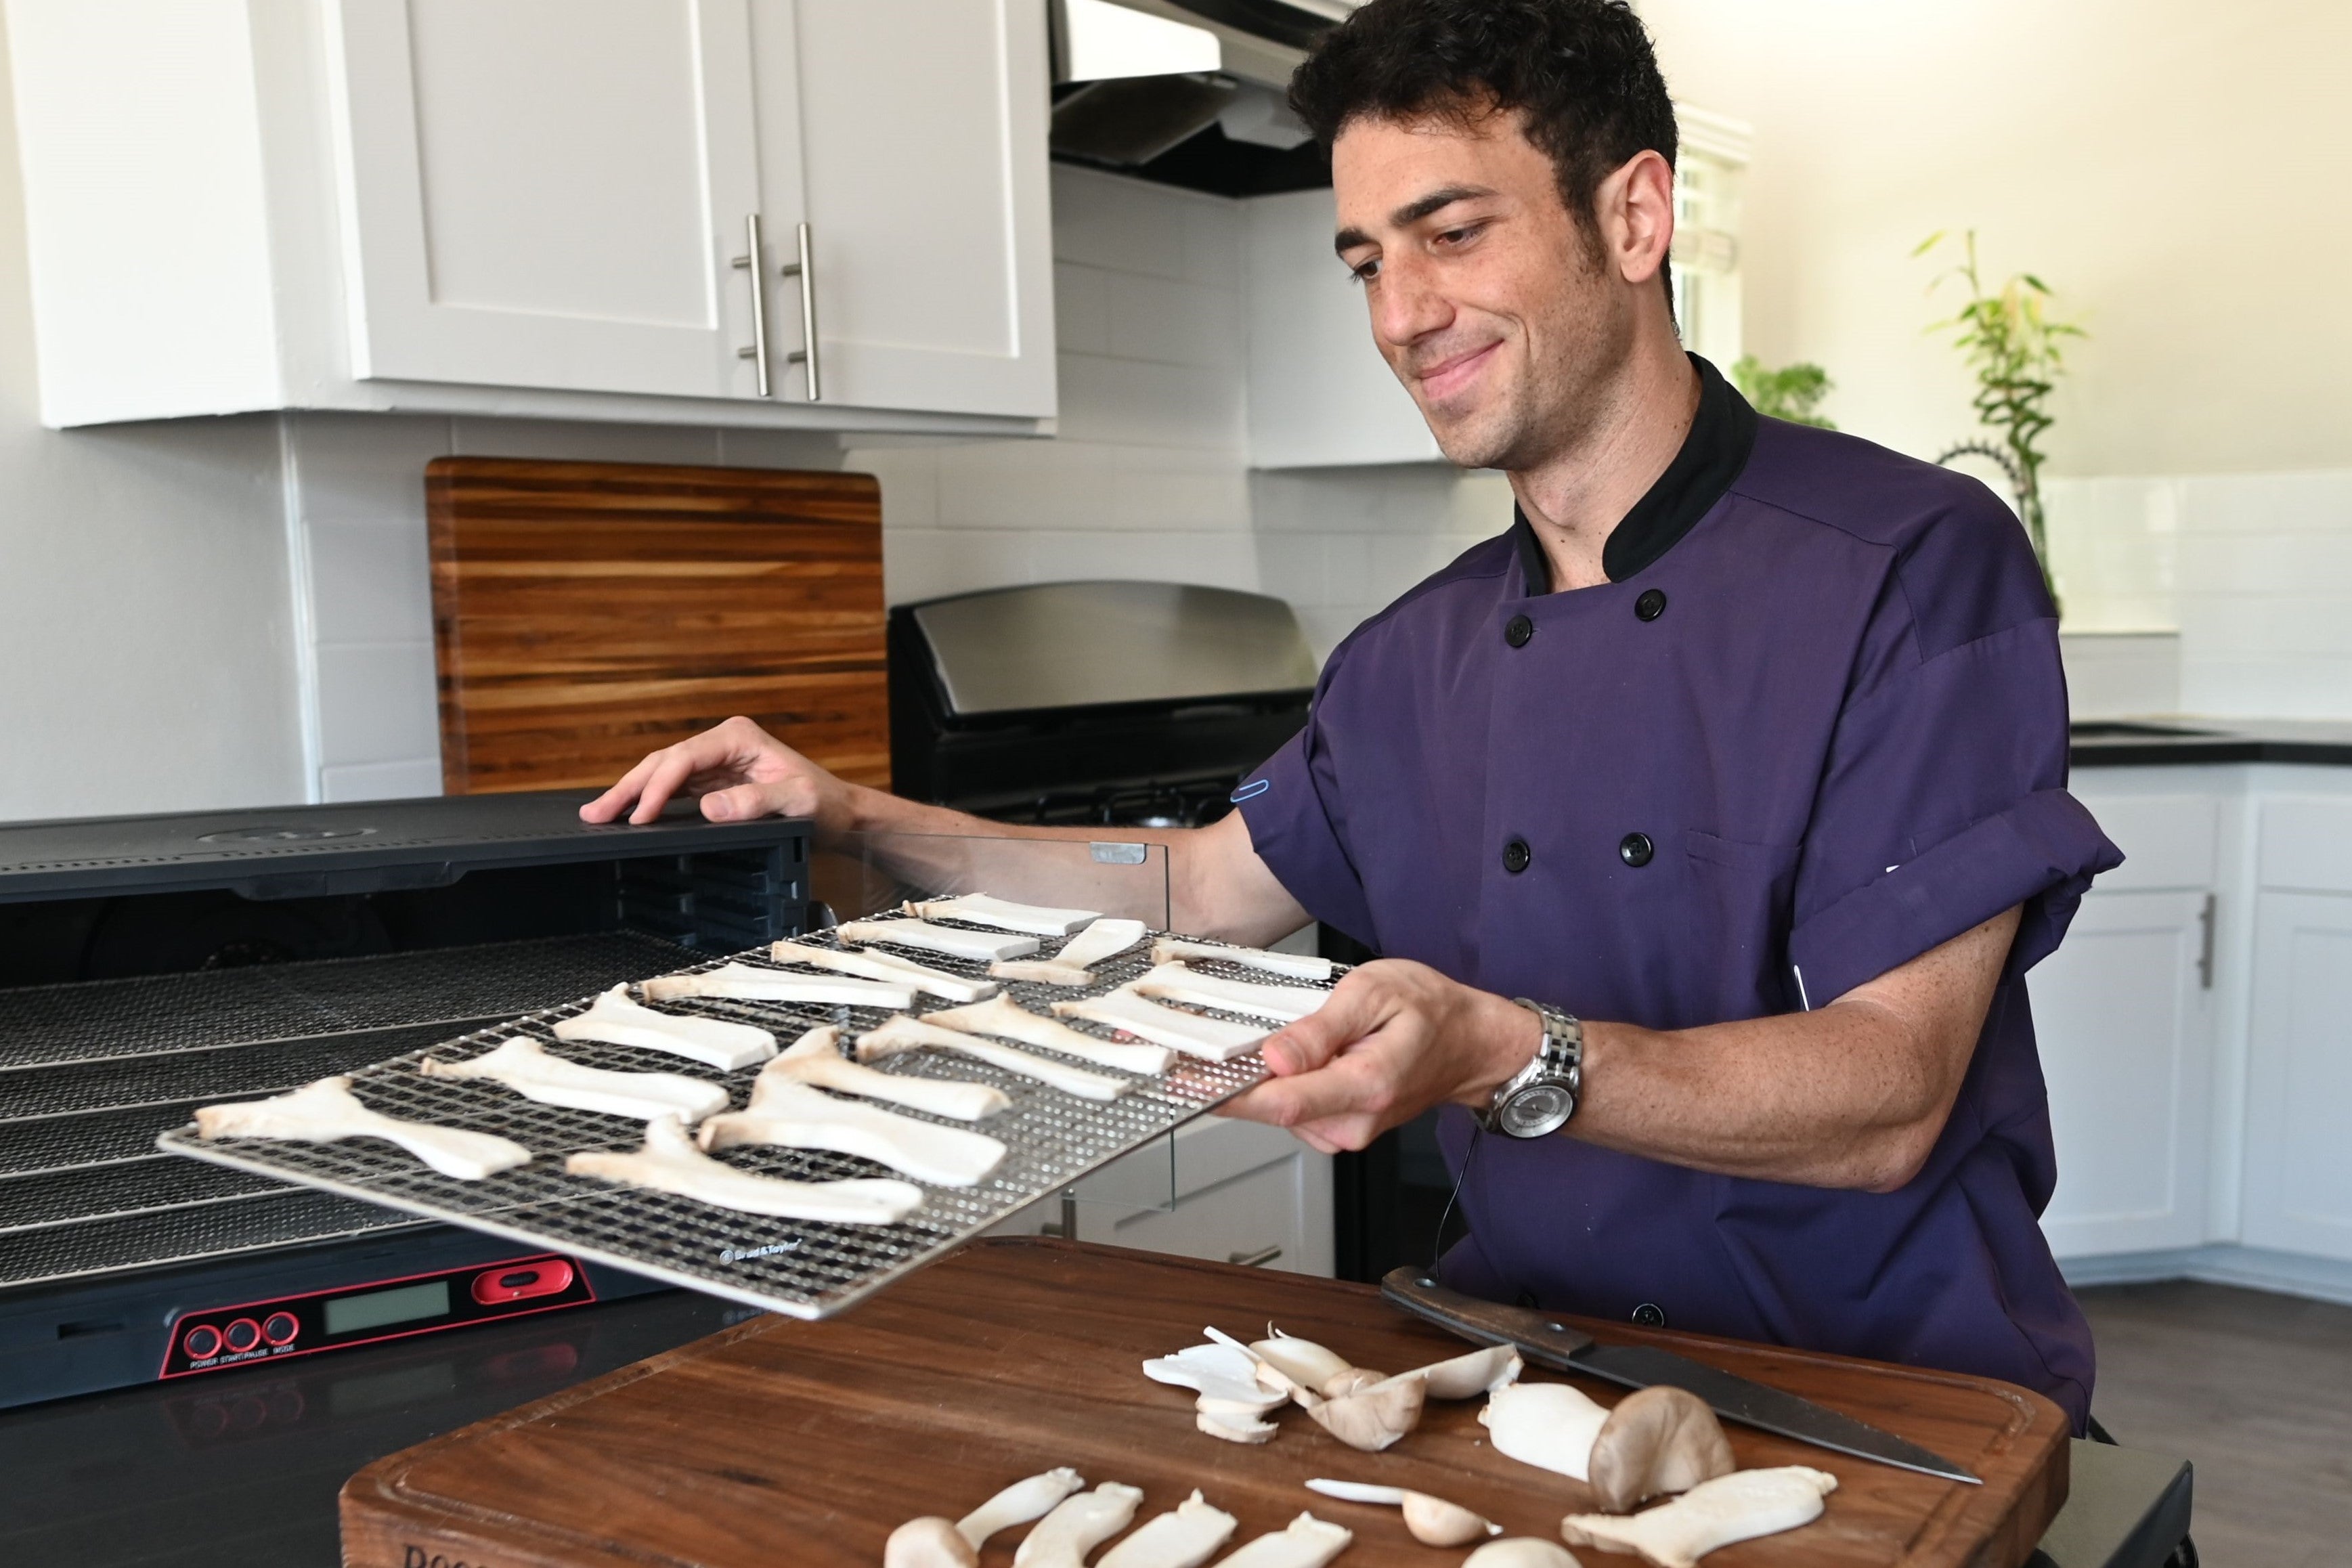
(1535,1110)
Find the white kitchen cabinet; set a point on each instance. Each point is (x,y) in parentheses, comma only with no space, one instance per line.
(538,207)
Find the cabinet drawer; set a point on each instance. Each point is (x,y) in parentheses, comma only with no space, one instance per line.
(2168,840)
(2306,846)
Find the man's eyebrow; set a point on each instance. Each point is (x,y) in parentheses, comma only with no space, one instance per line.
(1411,213)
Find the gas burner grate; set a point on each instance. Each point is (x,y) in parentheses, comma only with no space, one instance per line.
(799,1267)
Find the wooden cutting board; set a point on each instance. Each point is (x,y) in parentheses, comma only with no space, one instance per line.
(786,1442)
(587,614)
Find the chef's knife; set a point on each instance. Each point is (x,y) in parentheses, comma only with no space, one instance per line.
(1547,1342)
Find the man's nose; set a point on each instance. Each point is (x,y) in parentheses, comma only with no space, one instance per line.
(1408,305)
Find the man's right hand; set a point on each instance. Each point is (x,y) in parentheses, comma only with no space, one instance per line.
(739,771)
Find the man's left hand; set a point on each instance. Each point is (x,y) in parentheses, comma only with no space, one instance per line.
(1396,1039)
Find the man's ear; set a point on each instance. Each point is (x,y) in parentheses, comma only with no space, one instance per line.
(1635,209)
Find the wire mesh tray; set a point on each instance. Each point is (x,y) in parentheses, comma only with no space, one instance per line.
(803,1269)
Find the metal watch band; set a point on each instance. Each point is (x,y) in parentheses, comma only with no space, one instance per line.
(1540,1096)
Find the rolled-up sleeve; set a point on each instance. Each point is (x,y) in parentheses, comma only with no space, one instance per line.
(1297,823)
(1943,804)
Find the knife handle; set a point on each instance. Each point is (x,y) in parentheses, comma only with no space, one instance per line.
(1541,1337)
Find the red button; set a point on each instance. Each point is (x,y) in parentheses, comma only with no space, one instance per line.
(202,1342)
(242,1335)
(280,1328)
(498,1285)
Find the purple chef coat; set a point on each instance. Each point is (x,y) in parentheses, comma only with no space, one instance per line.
(1813,726)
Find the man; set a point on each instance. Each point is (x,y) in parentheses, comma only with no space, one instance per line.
(1746,745)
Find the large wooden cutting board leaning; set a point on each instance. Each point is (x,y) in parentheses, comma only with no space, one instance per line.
(585,613)
(806,1443)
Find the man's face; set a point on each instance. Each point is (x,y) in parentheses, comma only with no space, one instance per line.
(1486,297)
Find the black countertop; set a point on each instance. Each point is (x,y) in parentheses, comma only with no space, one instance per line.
(2142,742)
(242,1468)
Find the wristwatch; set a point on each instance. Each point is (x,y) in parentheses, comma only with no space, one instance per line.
(1541,1096)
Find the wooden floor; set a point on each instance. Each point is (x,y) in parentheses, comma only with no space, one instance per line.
(2256,1392)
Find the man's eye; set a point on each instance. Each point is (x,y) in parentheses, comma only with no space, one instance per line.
(1365,271)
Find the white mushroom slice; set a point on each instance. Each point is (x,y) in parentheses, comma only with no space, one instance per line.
(1040,972)
(951,940)
(1468,1377)
(1372,1417)
(1185,1537)
(1547,1424)
(1241,1428)
(1002,914)
(1174,983)
(524,1067)
(1218,1039)
(1740,1506)
(669,1162)
(815,1058)
(1107,938)
(1308,1542)
(1301,1361)
(903,1033)
(928,1543)
(327,1112)
(1003,1015)
(1215,1373)
(742,982)
(714,1042)
(1522,1552)
(1076,1526)
(1431,1520)
(1031,1498)
(788,1115)
(1297,965)
(888,967)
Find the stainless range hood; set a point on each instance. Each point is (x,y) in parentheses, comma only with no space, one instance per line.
(1135,78)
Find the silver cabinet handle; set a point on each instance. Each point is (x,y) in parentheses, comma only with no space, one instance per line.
(1258,1260)
(2205,945)
(806,355)
(758,352)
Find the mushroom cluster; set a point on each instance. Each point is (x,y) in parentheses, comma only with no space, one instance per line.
(1071,1522)
(1240,1385)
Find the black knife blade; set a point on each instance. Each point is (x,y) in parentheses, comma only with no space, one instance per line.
(1547,1342)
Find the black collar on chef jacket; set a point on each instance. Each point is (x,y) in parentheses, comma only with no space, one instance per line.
(1722,434)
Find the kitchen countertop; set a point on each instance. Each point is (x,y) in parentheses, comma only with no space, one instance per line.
(243,1468)
(2140,742)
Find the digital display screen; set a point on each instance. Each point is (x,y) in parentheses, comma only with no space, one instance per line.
(379,1308)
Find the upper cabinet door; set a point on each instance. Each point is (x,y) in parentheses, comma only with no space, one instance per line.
(550,193)
(912,142)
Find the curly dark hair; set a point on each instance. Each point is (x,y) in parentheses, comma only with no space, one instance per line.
(1581,74)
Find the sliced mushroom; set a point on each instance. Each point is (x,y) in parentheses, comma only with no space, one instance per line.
(1076,1526)
(1174,983)
(1522,1552)
(928,1542)
(1040,972)
(1301,1361)
(1184,1537)
(1001,914)
(1371,1418)
(747,982)
(1468,1377)
(1004,1017)
(1237,1428)
(1740,1506)
(888,967)
(1297,965)
(714,1042)
(1105,937)
(903,1034)
(1220,1372)
(1352,1381)
(327,1112)
(1656,1440)
(1307,1543)
(788,1115)
(669,1162)
(1030,1498)
(1218,1039)
(953,941)
(523,1066)
(1550,1426)
(1431,1520)
(815,1058)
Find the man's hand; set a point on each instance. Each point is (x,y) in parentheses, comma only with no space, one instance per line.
(1396,1039)
(739,771)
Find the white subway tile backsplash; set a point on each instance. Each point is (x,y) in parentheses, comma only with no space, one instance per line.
(371,581)
(1146,499)
(929,563)
(565,440)
(363,467)
(1025,484)
(819,449)
(1172,323)
(1217,560)
(377,703)
(380,781)
(1081,309)
(1136,403)
(1122,225)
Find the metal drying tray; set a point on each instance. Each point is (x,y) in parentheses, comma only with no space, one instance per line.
(802,1268)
